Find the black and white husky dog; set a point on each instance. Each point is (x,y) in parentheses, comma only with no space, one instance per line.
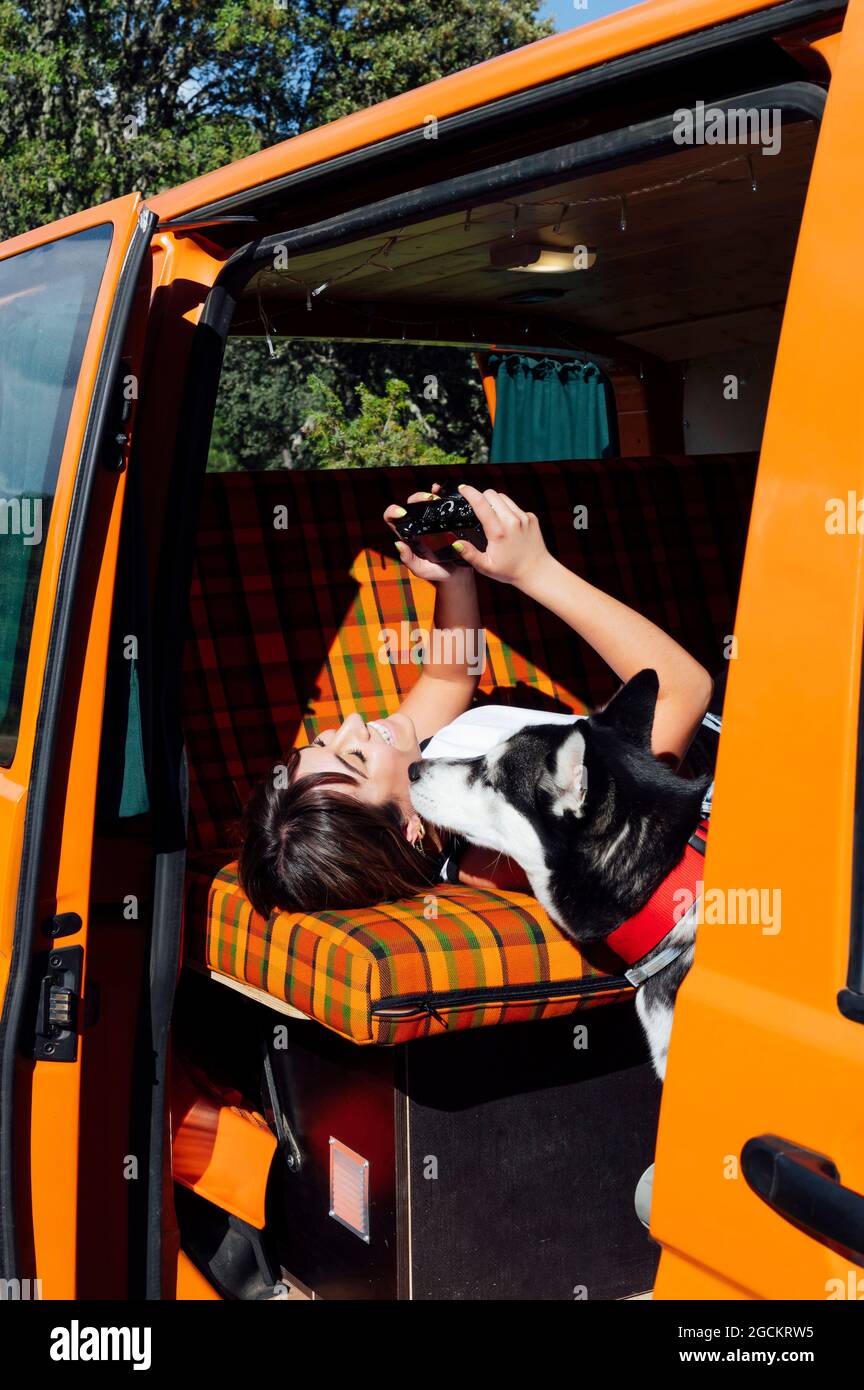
(594,819)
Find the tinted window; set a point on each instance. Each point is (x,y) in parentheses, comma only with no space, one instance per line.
(46,304)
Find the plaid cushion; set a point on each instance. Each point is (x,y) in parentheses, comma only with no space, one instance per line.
(388,974)
(296,586)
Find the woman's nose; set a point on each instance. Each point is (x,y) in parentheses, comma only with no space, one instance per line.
(354,728)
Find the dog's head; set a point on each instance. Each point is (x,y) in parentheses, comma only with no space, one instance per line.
(562,798)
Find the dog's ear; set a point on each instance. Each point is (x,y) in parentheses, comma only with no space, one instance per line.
(631,711)
(569,782)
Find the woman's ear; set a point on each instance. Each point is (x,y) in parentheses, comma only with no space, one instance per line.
(413,829)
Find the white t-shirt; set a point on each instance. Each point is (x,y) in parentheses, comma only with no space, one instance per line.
(473,733)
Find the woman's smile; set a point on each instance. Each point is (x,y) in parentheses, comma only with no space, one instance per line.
(397,732)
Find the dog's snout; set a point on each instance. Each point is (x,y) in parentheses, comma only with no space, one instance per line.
(414,771)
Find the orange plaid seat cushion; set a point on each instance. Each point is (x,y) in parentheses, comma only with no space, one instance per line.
(458,958)
(297,605)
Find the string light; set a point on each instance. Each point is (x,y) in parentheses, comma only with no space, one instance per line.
(383,253)
(312,292)
(621,198)
(267,325)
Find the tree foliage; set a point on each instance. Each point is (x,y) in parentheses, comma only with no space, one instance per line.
(265,404)
(102,97)
(386,431)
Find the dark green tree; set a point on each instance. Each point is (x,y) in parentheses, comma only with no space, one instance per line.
(101,97)
(387,430)
(266,407)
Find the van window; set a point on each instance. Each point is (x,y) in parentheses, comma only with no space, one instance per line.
(324,405)
(47,297)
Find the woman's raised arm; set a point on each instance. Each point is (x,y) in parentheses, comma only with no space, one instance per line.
(453,650)
(516,554)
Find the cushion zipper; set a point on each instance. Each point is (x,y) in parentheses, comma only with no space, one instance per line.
(403,1006)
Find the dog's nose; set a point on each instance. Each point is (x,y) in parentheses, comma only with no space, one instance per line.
(414,771)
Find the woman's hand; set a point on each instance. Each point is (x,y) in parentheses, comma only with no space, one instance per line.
(424,565)
(515,547)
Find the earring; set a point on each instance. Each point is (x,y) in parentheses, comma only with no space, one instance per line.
(418,842)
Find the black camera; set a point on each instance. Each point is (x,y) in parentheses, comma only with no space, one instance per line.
(449,513)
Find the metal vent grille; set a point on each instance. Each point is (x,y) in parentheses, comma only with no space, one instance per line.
(349,1189)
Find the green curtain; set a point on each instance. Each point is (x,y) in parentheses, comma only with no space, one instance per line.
(550,408)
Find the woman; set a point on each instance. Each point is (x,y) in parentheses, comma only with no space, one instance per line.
(337,827)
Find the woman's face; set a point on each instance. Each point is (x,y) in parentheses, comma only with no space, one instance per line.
(378,755)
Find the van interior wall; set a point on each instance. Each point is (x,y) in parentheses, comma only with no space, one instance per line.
(726,400)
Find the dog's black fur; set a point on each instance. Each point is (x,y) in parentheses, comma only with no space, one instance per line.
(595,820)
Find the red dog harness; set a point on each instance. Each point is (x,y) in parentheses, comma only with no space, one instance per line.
(639,935)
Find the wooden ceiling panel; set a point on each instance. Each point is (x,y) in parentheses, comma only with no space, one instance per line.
(684,244)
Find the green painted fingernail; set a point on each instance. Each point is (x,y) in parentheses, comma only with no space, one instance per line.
(457,545)
(399,511)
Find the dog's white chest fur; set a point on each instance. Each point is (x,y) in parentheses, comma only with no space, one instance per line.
(654,1005)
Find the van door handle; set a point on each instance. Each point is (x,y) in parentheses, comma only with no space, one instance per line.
(805,1189)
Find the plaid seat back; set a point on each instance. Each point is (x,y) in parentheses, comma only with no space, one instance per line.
(301,612)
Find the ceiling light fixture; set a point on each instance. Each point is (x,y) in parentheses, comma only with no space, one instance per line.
(543,260)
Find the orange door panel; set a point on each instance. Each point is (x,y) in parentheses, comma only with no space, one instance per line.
(65,297)
(766,1066)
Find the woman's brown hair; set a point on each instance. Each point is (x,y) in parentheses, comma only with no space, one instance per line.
(307,847)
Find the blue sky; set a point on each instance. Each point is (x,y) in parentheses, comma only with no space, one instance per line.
(566,16)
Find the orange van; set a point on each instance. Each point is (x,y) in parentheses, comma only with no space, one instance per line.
(440,1098)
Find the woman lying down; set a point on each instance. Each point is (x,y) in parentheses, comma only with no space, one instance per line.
(340,830)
